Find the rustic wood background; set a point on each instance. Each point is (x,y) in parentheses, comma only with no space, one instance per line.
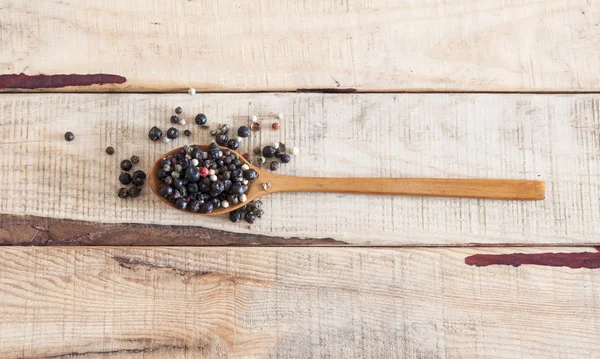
(367,88)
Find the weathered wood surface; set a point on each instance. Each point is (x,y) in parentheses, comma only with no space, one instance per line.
(381,45)
(292,303)
(548,137)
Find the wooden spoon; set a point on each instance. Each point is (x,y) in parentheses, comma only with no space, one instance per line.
(268,182)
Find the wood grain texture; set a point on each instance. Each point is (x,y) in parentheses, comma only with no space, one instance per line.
(381,45)
(291,303)
(548,137)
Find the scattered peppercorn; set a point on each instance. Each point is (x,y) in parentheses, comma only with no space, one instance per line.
(174,119)
(235,216)
(221,139)
(172,133)
(275,125)
(134,159)
(134,192)
(188,133)
(285,158)
(249,217)
(243,131)
(213,132)
(233,144)
(69,136)
(192,91)
(268,151)
(110,150)
(201,119)
(155,133)
(178,110)
(126,165)
(255,126)
(125,178)
(257,150)
(123,193)
(138,178)
(274,166)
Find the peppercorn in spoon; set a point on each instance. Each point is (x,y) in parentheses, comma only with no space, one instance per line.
(243,183)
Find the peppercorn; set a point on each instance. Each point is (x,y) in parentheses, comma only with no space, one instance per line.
(188,133)
(177,183)
(258,212)
(174,119)
(181,203)
(235,216)
(172,133)
(69,136)
(123,193)
(139,176)
(243,131)
(274,166)
(250,217)
(285,158)
(194,206)
(167,180)
(110,150)
(165,191)
(255,126)
(192,188)
(221,139)
(237,175)
(275,126)
(192,91)
(201,119)
(178,110)
(134,159)
(233,144)
(206,207)
(215,202)
(126,165)
(268,151)
(192,174)
(125,178)
(213,132)
(237,188)
(134,192)
(155,133)
(250,175)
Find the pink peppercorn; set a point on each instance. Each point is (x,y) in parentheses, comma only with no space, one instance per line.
(203,171)
(275,126)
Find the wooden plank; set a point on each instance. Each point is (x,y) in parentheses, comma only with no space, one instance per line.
(549,137)
(381,45)
(293,303)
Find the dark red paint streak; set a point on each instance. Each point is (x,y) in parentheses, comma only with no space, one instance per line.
(31,82)
(572,260)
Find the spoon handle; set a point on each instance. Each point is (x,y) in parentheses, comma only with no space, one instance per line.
(432,187)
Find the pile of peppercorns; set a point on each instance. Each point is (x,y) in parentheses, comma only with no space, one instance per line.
(200,181)
(249,212)
(137,179)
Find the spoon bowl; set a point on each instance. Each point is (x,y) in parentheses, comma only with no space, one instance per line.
(267,182)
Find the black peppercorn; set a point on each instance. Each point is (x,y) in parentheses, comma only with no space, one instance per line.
(178,110)
(235,216)
(215,202)
(134,192)
(201,119)
(237,175)
(192,174)
(110,150)
(274,166)
(250,217)
(206,207)
(257,150)
(165,191)
(268,151)
(126,165)
(123,193)
(285,158)
(165,161)
(155,133)
(221,139)
(192,188)
(177,183)
(258,212)
(217,187)
(237,188)
(188,133)
(180,203)
(134,159)
(233,144)
(174,119)
(194,206)
(139,176)
(243,131)
(168,180)
(172,133)
(69,136)
(250,175)
(226,152)
(125,178)
(227,184)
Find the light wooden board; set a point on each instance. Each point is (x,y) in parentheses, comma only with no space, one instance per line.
(241,45)
(554,138)
(292,303)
